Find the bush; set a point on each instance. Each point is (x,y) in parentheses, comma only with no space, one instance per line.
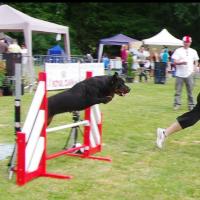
(2,72)
(130,72)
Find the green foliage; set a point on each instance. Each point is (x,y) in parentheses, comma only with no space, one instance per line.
(2,72)
(130,72)
(2,78)
(89,22)
(130,62)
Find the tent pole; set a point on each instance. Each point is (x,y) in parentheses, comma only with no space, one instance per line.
(100,52)
(67,45)
(28,40)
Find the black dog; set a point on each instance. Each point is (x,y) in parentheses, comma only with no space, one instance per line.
(94,90)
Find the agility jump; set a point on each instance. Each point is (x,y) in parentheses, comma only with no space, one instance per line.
(31,141)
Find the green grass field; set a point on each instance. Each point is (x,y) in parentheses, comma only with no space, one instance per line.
(138,171)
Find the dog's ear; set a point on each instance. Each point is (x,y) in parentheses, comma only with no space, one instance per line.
(114,78)
(116,74)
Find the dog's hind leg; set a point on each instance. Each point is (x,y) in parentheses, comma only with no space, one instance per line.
(49,120)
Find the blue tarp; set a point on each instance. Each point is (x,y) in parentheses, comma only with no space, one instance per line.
(56,55)
(56,50)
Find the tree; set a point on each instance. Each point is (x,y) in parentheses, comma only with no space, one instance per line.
(88,22)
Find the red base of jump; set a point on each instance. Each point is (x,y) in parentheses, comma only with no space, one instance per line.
(70,151)
(90,157)
(59,176)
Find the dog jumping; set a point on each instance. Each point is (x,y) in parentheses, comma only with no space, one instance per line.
(91,91)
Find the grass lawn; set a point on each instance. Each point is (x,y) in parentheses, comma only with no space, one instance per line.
(138,171)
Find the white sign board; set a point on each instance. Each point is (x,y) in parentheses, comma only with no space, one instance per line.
(115,64)
(65,75)
(97,69)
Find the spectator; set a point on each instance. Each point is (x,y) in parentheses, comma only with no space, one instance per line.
(135,62)
(124,56)
(14,47)
(106,61)
(185,60)
(89,58)
(142,58)
(3,46)
(165,56)
(154,57)
(161,53)
(24,50)
(165,60)
(183,121)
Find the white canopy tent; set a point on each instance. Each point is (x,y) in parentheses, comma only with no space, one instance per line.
(164,38)
(12,20)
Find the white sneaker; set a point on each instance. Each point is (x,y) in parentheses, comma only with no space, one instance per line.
(160,137)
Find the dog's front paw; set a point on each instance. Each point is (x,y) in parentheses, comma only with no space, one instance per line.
(107,99)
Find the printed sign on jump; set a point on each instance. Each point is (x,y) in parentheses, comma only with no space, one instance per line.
(65,75)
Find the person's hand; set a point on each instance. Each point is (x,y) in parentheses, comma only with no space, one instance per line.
(180,62)
(183,63)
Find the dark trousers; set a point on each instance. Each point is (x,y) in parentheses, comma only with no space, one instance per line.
(124,67)
(142,73)
(190,118)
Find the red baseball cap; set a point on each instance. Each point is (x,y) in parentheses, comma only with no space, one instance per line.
(187,39)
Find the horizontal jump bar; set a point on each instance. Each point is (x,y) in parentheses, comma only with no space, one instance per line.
(85,122)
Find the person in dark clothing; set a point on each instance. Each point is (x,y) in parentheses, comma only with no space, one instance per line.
(183,121)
